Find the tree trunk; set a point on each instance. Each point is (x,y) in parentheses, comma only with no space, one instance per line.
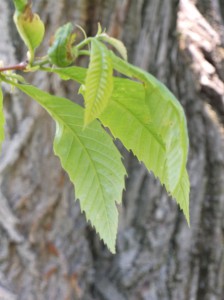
(47,250)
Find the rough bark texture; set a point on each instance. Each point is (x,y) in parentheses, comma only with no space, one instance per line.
(47,251)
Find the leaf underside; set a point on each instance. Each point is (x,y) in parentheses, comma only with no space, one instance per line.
(91,160)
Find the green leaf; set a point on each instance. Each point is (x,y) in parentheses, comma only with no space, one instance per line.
(181,194)
(91,160)
(61,52)
(169,119)
(75,73)
(118,45)
(20,5)
(98,83)
(30,28)
(2,119)
(155,136)
(129,119)
(128,106)
(134,103)
(167,116)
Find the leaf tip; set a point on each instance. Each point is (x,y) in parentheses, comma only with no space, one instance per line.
(87,120)
(187,216)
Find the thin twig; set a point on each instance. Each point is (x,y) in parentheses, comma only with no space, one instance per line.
(21,66)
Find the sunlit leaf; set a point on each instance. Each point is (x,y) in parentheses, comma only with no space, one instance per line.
(20,5)
(129,119)
(98,83)
(61,53)
(145,111)
(91,160)
(29,26)
(118,45)
(75,73)
(167,117)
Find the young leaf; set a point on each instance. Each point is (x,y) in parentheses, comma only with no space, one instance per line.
(2,119)
(98,83)
(30,28)
(91,160)
(20,5)
(118,45)
(61,52)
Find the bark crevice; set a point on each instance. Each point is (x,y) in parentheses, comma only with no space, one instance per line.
(47,251)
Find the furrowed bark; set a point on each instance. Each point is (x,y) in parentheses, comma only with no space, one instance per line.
(47,251)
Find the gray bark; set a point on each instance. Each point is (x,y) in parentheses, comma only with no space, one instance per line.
(47,250)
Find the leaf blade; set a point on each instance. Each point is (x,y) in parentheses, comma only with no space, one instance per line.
(98,83)
(169,121)
(29,25)
(117,44)
(103,181)
(74,73)
(140,137)
(60,52)
(181,194)
(158,99)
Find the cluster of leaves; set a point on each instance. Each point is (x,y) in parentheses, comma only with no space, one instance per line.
(142,113)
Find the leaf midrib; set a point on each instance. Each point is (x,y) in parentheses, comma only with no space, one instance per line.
(91,161)
(140,121)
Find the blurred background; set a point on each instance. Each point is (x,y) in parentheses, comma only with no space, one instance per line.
(47,249)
